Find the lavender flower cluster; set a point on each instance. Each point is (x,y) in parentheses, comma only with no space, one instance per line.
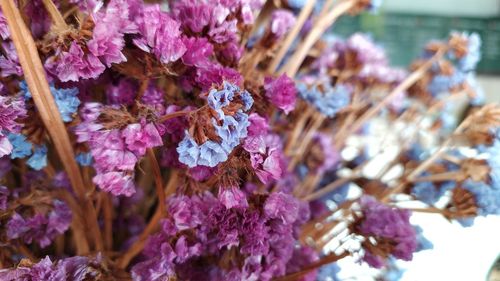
(210,140)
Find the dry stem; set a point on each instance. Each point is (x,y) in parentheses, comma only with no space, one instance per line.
(44,101)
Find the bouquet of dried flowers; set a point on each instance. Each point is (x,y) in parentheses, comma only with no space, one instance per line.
(227,140)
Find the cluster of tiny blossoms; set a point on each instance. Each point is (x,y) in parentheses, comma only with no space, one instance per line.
(213,140)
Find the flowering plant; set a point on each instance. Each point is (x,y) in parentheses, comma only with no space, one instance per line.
(210,140)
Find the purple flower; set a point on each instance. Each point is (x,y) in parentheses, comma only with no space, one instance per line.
(266,157)
(5,146)
(282,206)
(11,110)
(122,93)
(232,197)
(302,257)
(74,64)
(76,268)
(185,212)
(154,97)
(4,29)
(117,183)
(140,137)
(258,125)
(39,227)
(4,196)
(331,156)
(9,64)
(384,222)
(198,51)
(281,92)
(281,21)
(109,151)
(107,37)
(159,34)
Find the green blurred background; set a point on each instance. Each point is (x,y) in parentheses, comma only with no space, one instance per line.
(404,26)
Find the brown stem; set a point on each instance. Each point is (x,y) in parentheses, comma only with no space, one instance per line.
(77,223)
(316,32)
(173,115)
(447,176)
(139,244)
(35,77)
(152,226)
(323,261)
(285,44)
(403,86)
(26,252)
(429,161)
(158,180)
(55,15)
(107,210)
(142,89)
(327,189)
(304,142)
(297,130)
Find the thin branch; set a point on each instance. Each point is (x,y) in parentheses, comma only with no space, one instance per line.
(35,77)
(158,180)
(55,15)
(317,31)
(403,86)
(292,35)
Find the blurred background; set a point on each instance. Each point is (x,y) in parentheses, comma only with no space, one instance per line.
(403,27)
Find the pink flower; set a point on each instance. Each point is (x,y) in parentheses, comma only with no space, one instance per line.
(281,22)
(139,137)
(258,125)
(117,183)
(266,157)
(74,64)
(232,197)
(160,35)
(109,151)
(281,92)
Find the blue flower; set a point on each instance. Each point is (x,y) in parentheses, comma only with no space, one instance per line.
(329,102)
(423,242)
(84,159)
(479,98)
(487,197)
(38,160)
(67,102)
(444,83)
(375,5)
(296,4)
(232,130)
(247,99)
(493,160)
(417,152)
(211,154)
(22,147)
(217,99)
(189,151)
(426,192)
(473,56)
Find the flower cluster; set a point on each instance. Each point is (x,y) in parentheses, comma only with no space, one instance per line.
(229,123)
(230,226)
(390,228)
(227,140)
(115,151)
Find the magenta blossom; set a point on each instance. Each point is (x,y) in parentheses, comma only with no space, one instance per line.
(281,92)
